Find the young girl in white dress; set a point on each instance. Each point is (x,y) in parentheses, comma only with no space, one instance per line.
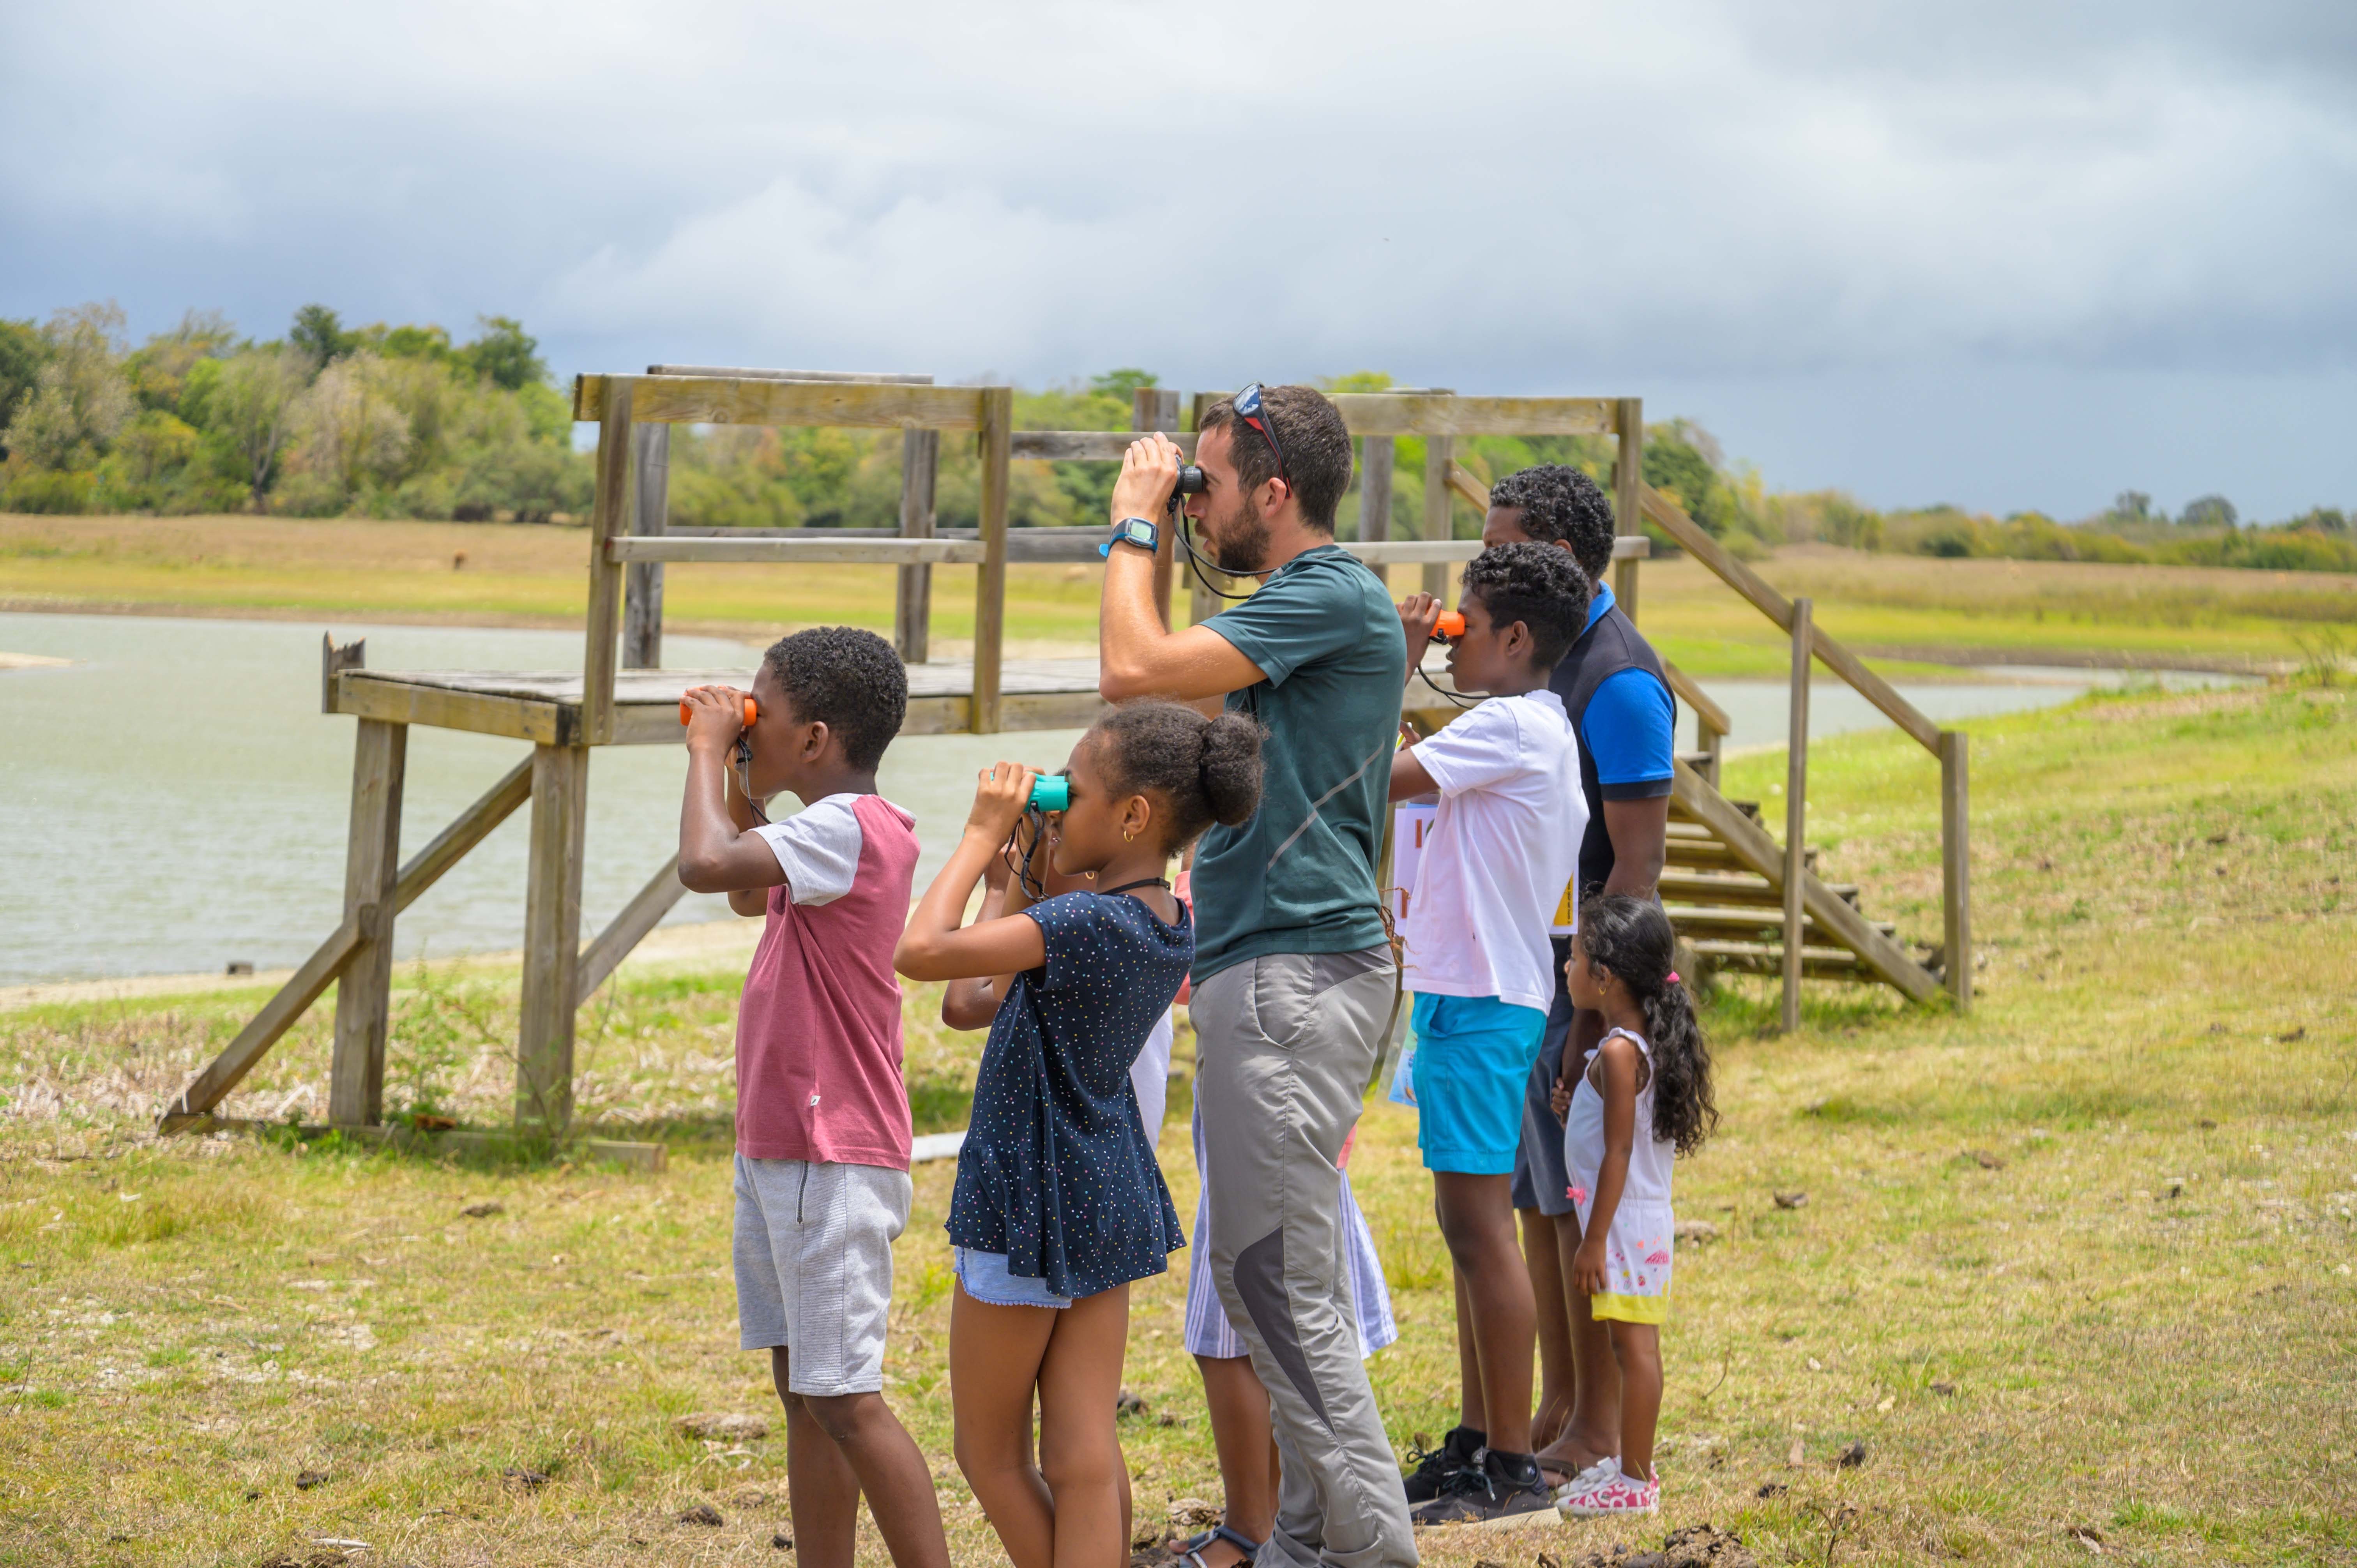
(1643,1100)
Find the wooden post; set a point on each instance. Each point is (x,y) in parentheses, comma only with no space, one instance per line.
(1714,744)
(1375,458)
(1628,496)
(912,605)
(551,940)
(1796,815)
(1955,868)
(609,518)
(1152,408)
(642,612)
(995,438)
(371,875)
(1201,603)
(1439,451)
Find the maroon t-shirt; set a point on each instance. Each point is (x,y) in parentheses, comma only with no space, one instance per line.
(818,1034)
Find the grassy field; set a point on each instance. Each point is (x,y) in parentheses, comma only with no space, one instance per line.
(1912,608)
(2075,1269)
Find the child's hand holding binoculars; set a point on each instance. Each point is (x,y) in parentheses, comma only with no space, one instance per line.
(998,800)
(1419,616)
(715,716)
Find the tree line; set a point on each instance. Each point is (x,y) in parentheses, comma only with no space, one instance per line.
(383,420)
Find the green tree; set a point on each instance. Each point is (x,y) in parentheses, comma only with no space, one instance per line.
(1123,382)
(23,351)
(253,408)
(505,354)
(2208,511)
(319,336)
(80,397)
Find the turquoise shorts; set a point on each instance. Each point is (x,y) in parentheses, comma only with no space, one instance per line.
(1473,1055)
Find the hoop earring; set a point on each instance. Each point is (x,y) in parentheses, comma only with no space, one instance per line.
(1127,835)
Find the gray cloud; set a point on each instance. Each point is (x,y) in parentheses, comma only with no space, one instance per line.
(2085,246)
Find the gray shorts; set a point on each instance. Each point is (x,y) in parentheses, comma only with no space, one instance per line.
(1541,1180)
(814,1255)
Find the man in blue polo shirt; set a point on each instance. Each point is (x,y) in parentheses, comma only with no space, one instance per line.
(1614,689)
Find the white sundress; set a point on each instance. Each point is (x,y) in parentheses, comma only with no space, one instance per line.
(1639,1245)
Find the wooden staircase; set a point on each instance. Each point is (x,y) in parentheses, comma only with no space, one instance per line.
(1723,888)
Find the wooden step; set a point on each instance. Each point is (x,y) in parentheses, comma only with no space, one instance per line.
(1768,958)
(1748,808)
(1736,921)
(1710,854)
(1680,884)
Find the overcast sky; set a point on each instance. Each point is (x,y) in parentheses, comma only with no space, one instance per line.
(2002,255)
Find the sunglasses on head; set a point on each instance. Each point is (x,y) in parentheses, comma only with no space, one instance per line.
(1254,412)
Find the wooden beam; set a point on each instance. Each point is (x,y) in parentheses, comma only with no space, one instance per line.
(372,872)
(551,940)
(292,1000)
(1087,446)
(733,372)
(874,551)
(1377,454)
(751,399)
(1429,553)
(642,589)
(1689,691)
(334,661)
(1628,491)
(1152,409)
(1698,543)
(1439,452)
(990,582)
(1796,812)
(1441,413)
(645,910)
(1743,844)
(913,597)
(1955,868)
(609,519)
(378,696)
(1462,480)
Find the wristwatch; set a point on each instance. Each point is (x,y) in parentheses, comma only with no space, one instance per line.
(1134,531)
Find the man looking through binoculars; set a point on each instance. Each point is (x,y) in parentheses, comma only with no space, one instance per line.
(1293,978)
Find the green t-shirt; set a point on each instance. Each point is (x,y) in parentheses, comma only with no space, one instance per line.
(1299,876)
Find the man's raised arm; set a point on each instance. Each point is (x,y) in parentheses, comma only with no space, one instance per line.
(1137,655)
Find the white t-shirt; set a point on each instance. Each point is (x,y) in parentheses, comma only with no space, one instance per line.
(1149,1075)
(818,849)
(1505,842)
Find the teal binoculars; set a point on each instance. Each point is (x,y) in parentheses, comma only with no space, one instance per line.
(1051,792)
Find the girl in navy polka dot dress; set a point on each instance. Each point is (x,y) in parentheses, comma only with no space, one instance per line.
(1060,1202)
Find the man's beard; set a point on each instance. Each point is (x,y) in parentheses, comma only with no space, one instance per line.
(1241,546)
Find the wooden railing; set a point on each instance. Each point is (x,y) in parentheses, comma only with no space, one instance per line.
(1948,745)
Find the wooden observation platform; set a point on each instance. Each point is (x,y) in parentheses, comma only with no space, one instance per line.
(1744,900)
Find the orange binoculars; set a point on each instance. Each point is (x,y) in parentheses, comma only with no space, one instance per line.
(751,712)
(1451,623)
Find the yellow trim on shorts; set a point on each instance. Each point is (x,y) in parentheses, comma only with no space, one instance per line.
(1630,1308)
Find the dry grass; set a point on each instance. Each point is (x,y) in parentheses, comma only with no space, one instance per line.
(1910,608)
(2078,1261)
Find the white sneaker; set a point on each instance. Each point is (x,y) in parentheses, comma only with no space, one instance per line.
(1605,1469)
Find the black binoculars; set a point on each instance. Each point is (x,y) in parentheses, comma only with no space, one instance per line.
(1190,483)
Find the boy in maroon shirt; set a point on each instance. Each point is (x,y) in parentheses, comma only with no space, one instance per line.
(821,1184)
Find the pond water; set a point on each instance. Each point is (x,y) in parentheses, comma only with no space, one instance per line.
(172,799)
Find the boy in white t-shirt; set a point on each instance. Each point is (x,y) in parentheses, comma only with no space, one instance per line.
(1503,844)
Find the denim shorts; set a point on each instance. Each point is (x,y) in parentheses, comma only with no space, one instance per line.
(985,1279)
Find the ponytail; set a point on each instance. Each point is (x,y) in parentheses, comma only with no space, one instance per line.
(1205,770)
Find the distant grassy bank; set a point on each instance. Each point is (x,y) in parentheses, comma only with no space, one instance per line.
(2078,1263)
(1911,608)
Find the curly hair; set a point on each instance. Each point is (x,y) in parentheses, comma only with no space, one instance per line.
(1559,502)
(849,680)
(1536,584)
(1207,771)
(1316,448)
(1630,940)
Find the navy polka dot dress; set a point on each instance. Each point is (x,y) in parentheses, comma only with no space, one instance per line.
(1058,1171)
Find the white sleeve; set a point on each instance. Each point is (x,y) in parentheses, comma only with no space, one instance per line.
(818,849)
(1475,748)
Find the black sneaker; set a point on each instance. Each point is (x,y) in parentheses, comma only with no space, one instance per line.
(1460,1450)
(1506,1491)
